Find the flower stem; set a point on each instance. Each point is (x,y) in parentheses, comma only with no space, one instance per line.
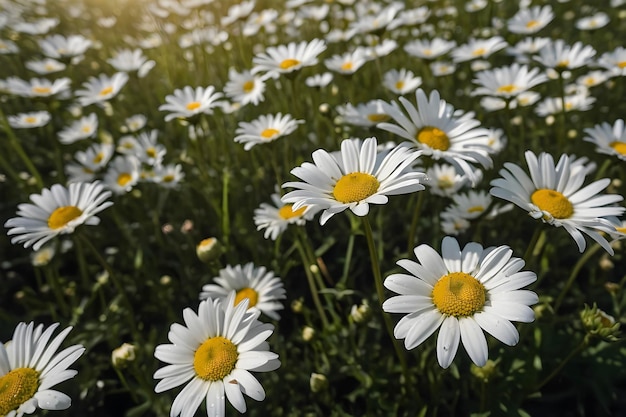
(311,280)
(572,276)
(556,370)
(416,215)
(17,147)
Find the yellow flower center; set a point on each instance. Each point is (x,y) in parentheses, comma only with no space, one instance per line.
(433,138)
(288,63)
(248,86)
(215,359)
(427,52)
(207,243)
(509,88)
(193,105)
(286,212)
(531,24)
(30,120)
(563,63)
(621,64)
(17,387)
(476,209)
(168,178)
(98,158)
(41,90)
(479,51)
(459,294)
(250,294)
(151,152)
(619,147)
(553,202)
(106,91)
(354,187)
(399,85)
(62,216)
(86,129)
(269,133)
(377,117)
(346,66)
(445,182)
(124,178)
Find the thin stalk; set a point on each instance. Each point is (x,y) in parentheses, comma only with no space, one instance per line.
(225,216)
(416,215)
(534,248)
(563,133)
(312,287)
(572,276)
(556,370)
(17,147)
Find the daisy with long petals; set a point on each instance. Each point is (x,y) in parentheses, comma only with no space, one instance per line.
(609,140)
(554,195)
(30,366)
(214,355)
(57,210)
(356,177)
(276,217)
(287,59)
(532,20)
(103,88)
(440,131)
(461,292)
(266,128)
(188,102)
(507,82)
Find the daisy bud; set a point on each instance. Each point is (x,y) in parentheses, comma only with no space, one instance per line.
(308,333)
(605,263)
(297,305)
(486,372)
(187,226)
(123,355)
(318,382)
(612,287)
(361,314)
(600,324)
(208,250)
(43,256)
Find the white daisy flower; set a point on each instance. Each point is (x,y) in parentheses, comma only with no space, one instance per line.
(214,355)
(609,140)
(442,68)
(364,114)
(38,87)
(238,12)
(83,128)
(101,89)
(472,204)
(614,61)
(45,66)
(266,128)
(95,157)
(319,80)
(574,102)
(429,49)
(554,195)
(286,59)
(29,120)
(523,49)
(507,82)
(8,47)
(478,48)
(453,225)
(348,62)
(401,81)
(30,366)
(354,178)
(462,293)
(168,176)
(276,217)
(59,46)
(527,21)
(187,102)
(244,88)
(58,210)
(440,131)
(259,286)
(126,60)
(444,180)
(123,174)
(135,122)
(593,78)
(560,56)
(149,150)
(594,22)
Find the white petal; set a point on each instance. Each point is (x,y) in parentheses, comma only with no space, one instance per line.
(473,340)
(498,327)
(448,341)
(52,400)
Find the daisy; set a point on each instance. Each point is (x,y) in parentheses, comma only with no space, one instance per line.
(8,47)
(354,178)
(523,49)
(507,82)
(440,131)
(126,60)
(187,102)
(364,114)
(38,87)
(30,366)
(593,78)
(122,175)
(609,140)
(266,128)
(265,20)
(96,157)
(135,122)
(401,82)
(410,17)
(478,48)
(101,89)
(238,12)
(347,63)
(59,46)
(527,21)
(461,292)
(58,210)
(554,105)
(319,80)
(377,22)
(442,68)
(259,286)
(168,176)
(214,355)
(276,217)
(45,66)
(596,21)
(614,61)
(444,180)
(429,49)
(554,195)
(287,59)
(81,129)
(453,225)
(29,120)
(149,151)
(244,88)
(560,56)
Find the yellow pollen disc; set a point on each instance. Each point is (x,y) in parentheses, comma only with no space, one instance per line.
(445,182)
(288,63)
(269,133)
(215,359)
(62,216)
(459,294)
(427,52)
(378,117)
(248,86)
(151,153)
(124,178)
(355,187)
(399,85)
(286,212)
(86,129)
(479,51)
(531,24)
(250,294)
(106,91)
(41,90)
(509,88)
(476,209)
(193,105)
(30,120)
(553,202)
(168,178)
(347,66)
(619,147)
(568,105)
(17,387)
(621,229)
(98,158)
(621,64)
(564,63)
(433,138)
(49,67)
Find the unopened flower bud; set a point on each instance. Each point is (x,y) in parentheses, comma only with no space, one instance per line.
(361,314)
(208,250)
(612,287)
(123,355)
(600,324)
(297,305)
(308,333)
(318,382)
(485,372)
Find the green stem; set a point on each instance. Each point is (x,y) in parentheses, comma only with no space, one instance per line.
(535,245)
(416,215)
(572,277)
(312,287)
(556,370)
(225,212)
(17,147)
